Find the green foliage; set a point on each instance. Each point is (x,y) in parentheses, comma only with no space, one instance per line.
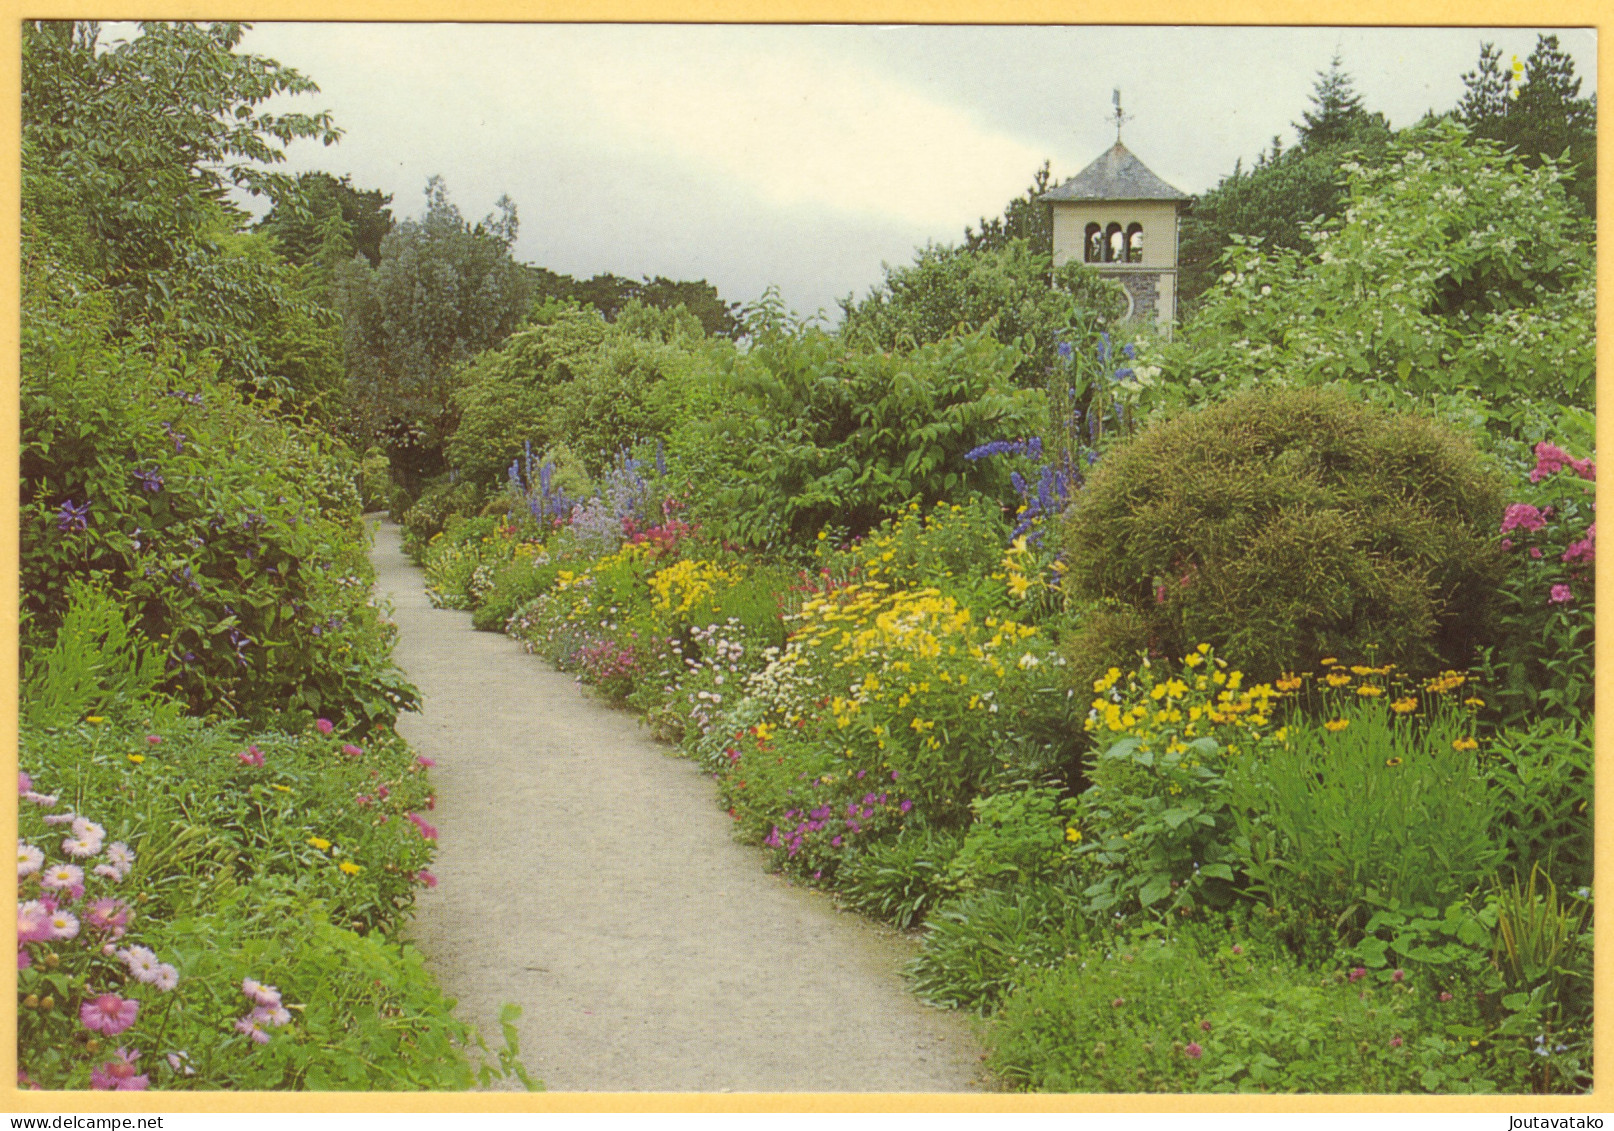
(1385,805)
(443,291)
(430,514)
(1542,773)
(1542,945)
(1541,664)
(1539,113)
(232,538)
(1432,234)
(902,879)
(328,221)
(978,947)
(802,431)
(612,294)
(1011,294)
(1289,525)
(1287,191)
(128,150)
(96,666)
(1017,837)
(1025,218)
(1212,1012)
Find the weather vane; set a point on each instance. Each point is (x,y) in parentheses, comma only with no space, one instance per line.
(1120,118)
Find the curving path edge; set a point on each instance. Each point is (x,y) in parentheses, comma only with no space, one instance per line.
(589,876)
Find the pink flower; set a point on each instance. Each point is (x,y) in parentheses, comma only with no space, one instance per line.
(25,784)
(1205,1025)
(33,921)
(253,757)
(426,830)
(1395,1042)
(29,859)
(154,740)
(109,872)
(1585,549)
(142,963)
(1584,468)
(323,726)
(167,978)
(1535,552)
(1398,976)
(1507,543)
(1194,1051)
(1358,973)
(23,960)
(1561,594)
(110,915)
(109,1014)
(1237,949)
(119,1074)
(260,994)
(1522,516)
(422,760)
(63,925)
(363,799)
(426,878)
(119,856)
(351,751)
(1549,460)
(1445,995)
(63,877)
(250,1027)
(265,1015)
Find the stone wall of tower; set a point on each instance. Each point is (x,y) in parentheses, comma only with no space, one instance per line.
(1151,284)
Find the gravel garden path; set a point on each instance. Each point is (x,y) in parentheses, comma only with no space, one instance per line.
(588,875)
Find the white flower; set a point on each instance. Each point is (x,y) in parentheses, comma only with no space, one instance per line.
(81,847)
(63,925)
(167,978)
(142,963)
(29,859)
(119,856)
(86,829)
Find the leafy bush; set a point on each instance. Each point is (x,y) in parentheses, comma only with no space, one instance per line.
(1018,837)
(1210,1012)
(1010,292)
(1542,663)
(979,947)
(427,516)
(233,539)
(1543,775)
(802,431)
(1432,231)
(902,879)
(1289,525)
(1386,797)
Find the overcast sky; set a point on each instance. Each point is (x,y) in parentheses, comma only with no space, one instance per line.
(805,157)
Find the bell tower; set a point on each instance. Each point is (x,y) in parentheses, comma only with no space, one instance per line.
(1121,219)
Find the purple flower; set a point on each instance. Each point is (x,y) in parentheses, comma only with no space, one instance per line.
(1560,595)
(1522,516)
(905,806)
(151,480)
(70,518)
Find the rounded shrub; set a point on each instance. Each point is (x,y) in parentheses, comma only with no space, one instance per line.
(1288,525)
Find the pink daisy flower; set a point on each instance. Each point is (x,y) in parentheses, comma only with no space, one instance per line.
(323,726)
(109,915)
(264,1015)
(109,872)
(25,784)
(120,1074)
(250,1028)
(29,859)
(119,856)
(167,978)
(88,829)
(43,799)
(63,925)
(109,1014)
(33,921)
(58,818)
(63,877)
(259,993)
(80,847)
(142,963)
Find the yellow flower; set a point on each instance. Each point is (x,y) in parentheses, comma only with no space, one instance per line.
(1202,649)
(137,758)
(1289,682)
(350,868)
(1474,701)
(1403,706)
(822,534)
(764,732)
(1337,679)
(96,719)
(319,842)
(1465,744)
(1073,834)
(1392,762)
(1328,661)
(1367,690)
(1336,724)
(281,788)
(1193,660)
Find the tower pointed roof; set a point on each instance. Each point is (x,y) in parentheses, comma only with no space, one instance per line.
(1116,175)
